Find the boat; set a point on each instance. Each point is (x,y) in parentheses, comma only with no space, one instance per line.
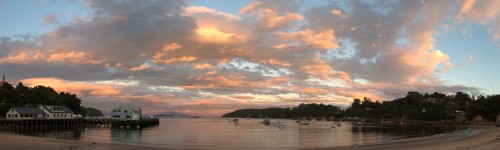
(236,120)
(333,125)
(305,122)
(360,123)
(266,121)
(281,126)
(248,116)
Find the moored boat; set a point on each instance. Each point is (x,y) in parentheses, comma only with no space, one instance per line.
(266,121)
(305,122)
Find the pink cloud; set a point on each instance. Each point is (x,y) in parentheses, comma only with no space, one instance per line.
(75,87)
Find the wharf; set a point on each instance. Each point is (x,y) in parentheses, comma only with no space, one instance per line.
(78,122)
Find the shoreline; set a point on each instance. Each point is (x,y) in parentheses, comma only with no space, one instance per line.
(474,138)
(479,137)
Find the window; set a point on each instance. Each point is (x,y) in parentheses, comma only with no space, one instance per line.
(116,116)
(128,116)
(125,111)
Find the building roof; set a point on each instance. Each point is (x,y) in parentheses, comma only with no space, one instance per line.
(28,111)
(66,109)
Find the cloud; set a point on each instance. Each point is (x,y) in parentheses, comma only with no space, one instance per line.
(141,67)
(212,35)
(323,40)
(51,18)
(250,7)
(194,10)
(79,88)
(169,56)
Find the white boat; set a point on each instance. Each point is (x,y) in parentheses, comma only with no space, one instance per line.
(248,116)
(360,123)
(281,126)
(305,122)
(236,120)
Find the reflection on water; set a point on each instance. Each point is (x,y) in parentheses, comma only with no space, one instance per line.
(220,133)
(60,133)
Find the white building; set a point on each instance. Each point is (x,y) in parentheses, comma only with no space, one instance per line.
(123,113)
(57,112)
(25,113)
(42,112)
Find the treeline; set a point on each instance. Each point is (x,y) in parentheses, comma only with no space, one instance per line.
(414,106)
(23,96)
(435,106)
(303,110)
(91,112)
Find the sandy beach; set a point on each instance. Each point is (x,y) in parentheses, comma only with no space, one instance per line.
(475,138)
(20,142)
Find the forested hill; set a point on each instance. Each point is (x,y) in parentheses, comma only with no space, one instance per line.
(415,106)
(303,110)
(23,96)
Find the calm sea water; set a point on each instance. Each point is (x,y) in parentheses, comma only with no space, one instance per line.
(201,133)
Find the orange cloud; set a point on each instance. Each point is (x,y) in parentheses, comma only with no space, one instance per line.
(337,12)
(212,35)
(75,87)
(203,66)
(318,68)
(39,56)
(171,46)
(184,59)
(272,19)
(313,91)
(141,67)
(278,62)
(192,10)
(241,97)
(323,40)
(250,7)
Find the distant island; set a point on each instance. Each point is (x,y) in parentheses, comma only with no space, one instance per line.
(174,114)
(459,107)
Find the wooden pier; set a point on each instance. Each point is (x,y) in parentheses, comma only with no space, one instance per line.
(81,122)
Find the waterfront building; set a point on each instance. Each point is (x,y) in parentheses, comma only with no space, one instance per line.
(25,113)
(42,112)
(124,113)
(57,112)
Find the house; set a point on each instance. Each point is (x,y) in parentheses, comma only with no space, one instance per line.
(25,113)
(57,112)
(42,112)
(123,113)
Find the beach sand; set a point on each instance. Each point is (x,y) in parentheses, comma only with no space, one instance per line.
(475,138)
(21,142)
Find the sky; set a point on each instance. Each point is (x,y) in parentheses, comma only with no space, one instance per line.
(211,57)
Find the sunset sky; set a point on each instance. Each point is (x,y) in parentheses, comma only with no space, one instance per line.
(210,57)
